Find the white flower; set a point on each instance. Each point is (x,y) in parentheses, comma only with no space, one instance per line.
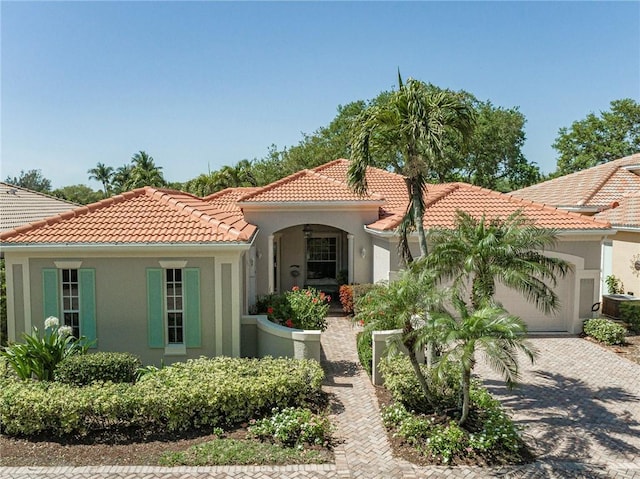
(51,322)
(65,331)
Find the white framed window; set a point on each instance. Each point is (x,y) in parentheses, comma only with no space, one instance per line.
(174,305)
(70,300)
(322,257)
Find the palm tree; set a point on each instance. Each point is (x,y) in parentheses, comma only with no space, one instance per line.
(103,174)
(403,304)
(121,179)
(409,131)
(490,329)
(508,251)
(145,172)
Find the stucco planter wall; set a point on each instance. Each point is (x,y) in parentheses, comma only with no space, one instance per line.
(261,337)
(380,339)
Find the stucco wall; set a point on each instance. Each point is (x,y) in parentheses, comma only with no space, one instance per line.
(622,253)
(350,221)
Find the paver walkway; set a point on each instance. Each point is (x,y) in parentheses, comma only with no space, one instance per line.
(580,404)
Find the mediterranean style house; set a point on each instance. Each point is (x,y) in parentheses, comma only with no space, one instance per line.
(608,192)
(170,276)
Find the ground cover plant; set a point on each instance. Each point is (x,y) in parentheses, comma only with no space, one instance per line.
(605,331)
(298,308)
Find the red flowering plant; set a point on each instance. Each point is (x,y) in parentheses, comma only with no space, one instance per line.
(309,308)
(298,308)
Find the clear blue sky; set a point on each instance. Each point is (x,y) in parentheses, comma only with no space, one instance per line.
(199,84)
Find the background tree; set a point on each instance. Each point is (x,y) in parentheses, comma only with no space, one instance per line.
(3,304)
(32,180)
(103,174)
(599,139)
(508,251)
(121,178)
(409,133)
(80,194)
(493,157)
(144,172)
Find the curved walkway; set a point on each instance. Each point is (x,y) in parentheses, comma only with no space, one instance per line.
(580,405)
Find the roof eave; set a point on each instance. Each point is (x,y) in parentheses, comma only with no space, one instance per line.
(115,247)
(255,205)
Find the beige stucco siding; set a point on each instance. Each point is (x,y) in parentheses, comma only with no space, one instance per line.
(622,254)
(271,222)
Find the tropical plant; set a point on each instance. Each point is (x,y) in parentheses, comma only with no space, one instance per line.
(103,174)
(509,251)
(39,355)
(121,178)
(409,130)
(605,331)
(403,305)
(145,172)
(614,284)
(298,308)
(498,334)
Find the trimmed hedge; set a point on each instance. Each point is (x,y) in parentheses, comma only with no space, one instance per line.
(364,344)
(605,330)
(100,366)
(198,394)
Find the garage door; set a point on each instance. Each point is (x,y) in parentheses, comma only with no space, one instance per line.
(536,320)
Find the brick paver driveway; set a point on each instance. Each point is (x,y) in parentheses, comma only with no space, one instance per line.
(579,403)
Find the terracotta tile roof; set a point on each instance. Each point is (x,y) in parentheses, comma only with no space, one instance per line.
(144,215)
(442,202)
(307,186)
(19,206)
(389,185)
(625,213)
(595,187)
(226,199)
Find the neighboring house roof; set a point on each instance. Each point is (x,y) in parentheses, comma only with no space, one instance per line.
(593,189)
(227,199)
(623,214)
(443,201)
(308,186)
(19,206)
(145,215)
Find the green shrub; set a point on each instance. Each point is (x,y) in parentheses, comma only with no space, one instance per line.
(402,383)
(605,330)
(100,366)
(298,308)
(293,427)
(39,354)
(198,394)
(360,290)
(630,314)
(364,344)
(614,284)
(493,430)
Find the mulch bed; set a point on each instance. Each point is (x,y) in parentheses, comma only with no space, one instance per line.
(630,350)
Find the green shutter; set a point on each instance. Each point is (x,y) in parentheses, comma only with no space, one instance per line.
(51,298)
(87,291)
(155,318)
(192,307)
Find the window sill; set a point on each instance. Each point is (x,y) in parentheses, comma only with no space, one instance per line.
(175,350)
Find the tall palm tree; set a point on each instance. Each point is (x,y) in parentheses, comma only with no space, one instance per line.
(509,251)
(145,172)
(103,174)
(121,178)
(492,330)
(408,132)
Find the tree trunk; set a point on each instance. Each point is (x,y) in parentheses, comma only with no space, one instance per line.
(466,386)
(409,343)
(418,215)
